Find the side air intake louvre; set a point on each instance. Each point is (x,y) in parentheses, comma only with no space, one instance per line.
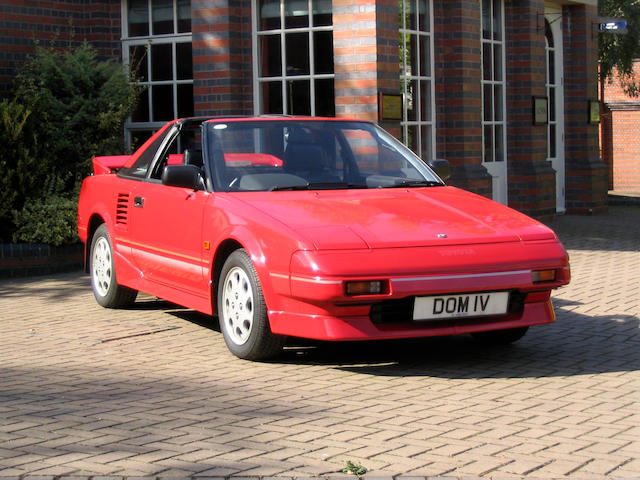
(122,209)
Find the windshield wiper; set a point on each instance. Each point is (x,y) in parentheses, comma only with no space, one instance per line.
(319,186)
(415,183)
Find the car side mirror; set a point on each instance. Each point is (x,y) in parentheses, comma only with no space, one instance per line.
(185,176)
(441,167)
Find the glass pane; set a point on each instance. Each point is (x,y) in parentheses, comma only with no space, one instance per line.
(270,56)
(141,113)
(323,52)
(325,98)
(497,63)
(405,65)
(552,104)
(424,15)
(269,14)
(425,138)
(425,100)
(272,97)
(425,56)
(552,67)
(487,97)
(411,97)
(162,16)
(488,143)
(499,144)
(138,62)
(138,137)
(411,17)
(184,16)
(411,139)
(296,13)
(497,19)
(486,61)
(412,54)
(299,97)
(552,141)
(297,52)
(486,19)
(322,12)
(162,102)
(138,18)
(185,100)
(497,103)
(161,62)
(184,61)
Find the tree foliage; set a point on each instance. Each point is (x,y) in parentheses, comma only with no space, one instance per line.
(67,107)
(619,52)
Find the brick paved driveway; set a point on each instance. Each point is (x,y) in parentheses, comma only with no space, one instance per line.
(153,391)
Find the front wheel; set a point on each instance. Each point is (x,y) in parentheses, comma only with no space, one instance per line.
(103,273)
(501,337)
(242,311)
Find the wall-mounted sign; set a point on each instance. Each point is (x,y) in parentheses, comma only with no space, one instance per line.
(540,106)
(612,25)
(594,111)
(390,106)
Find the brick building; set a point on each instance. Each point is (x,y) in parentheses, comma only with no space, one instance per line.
(500,88)
(620,139)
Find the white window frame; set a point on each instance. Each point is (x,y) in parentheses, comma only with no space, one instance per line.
(407,76)
(496,167)
(173,39)
(259,80)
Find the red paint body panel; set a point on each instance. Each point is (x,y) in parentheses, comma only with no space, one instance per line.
(306,244)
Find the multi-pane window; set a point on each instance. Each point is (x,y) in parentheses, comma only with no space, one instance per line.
(493,81)
(416,75)
(157,47)
(552,86)
(293,55)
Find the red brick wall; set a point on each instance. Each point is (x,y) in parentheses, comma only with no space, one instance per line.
(620,138)
(26,23)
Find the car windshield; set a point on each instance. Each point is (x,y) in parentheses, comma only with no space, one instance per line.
(287,154)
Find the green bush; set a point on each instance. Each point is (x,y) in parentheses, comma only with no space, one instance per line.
(67,108)
(51,220)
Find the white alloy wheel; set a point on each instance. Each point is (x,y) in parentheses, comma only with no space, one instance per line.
(102,266)
(238,303)
(103,273)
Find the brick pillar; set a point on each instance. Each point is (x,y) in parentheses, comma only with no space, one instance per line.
(365,45)
(458,66)
(587,176)
(222,68)
(532,183)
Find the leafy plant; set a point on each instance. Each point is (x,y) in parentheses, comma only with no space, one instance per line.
(354,468)
(51,220)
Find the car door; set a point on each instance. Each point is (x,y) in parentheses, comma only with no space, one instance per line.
(166,228)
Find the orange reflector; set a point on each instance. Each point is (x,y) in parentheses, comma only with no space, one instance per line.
(364,288)
(543,276)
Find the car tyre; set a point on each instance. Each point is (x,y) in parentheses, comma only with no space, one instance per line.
(242,311)
(500,337)
(103,273)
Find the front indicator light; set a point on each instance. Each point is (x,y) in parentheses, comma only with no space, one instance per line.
(539,276)
(372,287)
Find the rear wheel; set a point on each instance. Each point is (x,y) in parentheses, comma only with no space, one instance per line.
(242,311)
(500,337)
(103,274)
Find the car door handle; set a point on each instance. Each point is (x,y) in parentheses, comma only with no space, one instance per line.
(138,202)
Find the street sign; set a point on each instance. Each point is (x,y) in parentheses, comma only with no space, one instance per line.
(612,25)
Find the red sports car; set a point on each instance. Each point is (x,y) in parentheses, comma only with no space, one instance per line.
(319,228)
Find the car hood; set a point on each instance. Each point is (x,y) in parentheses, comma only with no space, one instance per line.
(392,218)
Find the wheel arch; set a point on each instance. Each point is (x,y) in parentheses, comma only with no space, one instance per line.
(226,248)
(94,222)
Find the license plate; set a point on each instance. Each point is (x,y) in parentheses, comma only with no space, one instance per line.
(461,305)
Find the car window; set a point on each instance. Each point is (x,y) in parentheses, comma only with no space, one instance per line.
(141,165)
(290,154)
(184,148)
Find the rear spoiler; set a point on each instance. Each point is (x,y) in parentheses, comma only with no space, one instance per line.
(106,165)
